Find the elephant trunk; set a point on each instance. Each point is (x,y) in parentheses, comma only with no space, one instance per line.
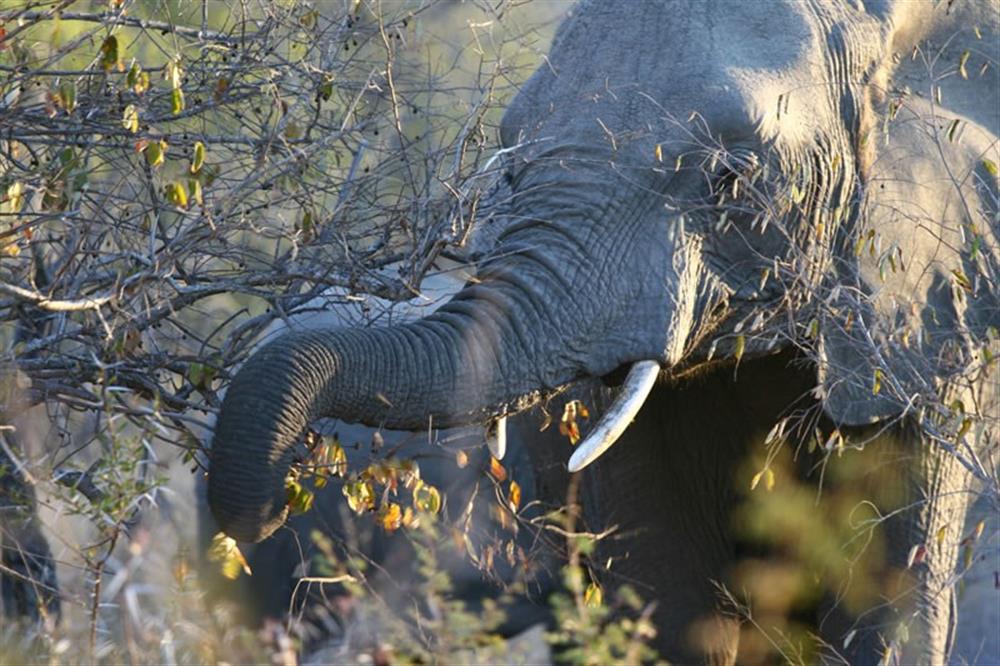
(456,367)
(924,538)
(928,534)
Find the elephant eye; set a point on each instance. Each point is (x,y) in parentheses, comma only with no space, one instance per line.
(731,172)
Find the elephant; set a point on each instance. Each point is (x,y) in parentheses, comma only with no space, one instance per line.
(773,217)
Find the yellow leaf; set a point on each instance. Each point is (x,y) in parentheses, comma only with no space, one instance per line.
(964,428)
(156,152)
(360,495)
(769,479)
(224,550)
(176,100)
(978,532)
(941,533)
(15,196)
(755,481)
(177,195)
(67,96)
(130,118)
(741,345)
(659,153)
(194,186)
(514,496)
(593,596)
(991,167)
(198,159)
(173,72)
(390,517)
(300,499)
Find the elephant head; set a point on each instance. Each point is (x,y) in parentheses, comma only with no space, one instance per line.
(696,182)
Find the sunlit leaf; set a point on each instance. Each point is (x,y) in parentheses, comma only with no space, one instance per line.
(497,470)
(130,118)
(156,152)
(194,187)
(877,381)
(110,55)
(300,498)
(198,157)
(991,167)
(767,475)
(390,517)
(177,195)
(741,345)
(360,495)
(176,101)
(427,498)
(941,533)
(173,72)
(962,61)
(15,196)
(67,96)
(514,496)
(658,152)
(593,596)
(962,280)
(974,535)
(224,550)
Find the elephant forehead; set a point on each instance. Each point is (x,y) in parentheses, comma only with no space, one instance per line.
(777,69)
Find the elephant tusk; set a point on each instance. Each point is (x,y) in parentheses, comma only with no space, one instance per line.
(613,423)
(496,437)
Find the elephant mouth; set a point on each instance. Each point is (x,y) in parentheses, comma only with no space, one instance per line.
(613,423)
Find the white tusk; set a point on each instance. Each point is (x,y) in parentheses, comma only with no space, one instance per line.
(613,423)
(496,437)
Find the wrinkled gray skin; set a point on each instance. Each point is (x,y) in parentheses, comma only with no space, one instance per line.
(598,271)
(280,561)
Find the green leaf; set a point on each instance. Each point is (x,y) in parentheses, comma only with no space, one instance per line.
(427,498)
(300,499)
(176,100)
(156,152)
(991,167)
(593,596)
(110,55)
(67,96)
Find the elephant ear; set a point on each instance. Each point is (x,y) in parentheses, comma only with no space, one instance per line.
(914,313)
